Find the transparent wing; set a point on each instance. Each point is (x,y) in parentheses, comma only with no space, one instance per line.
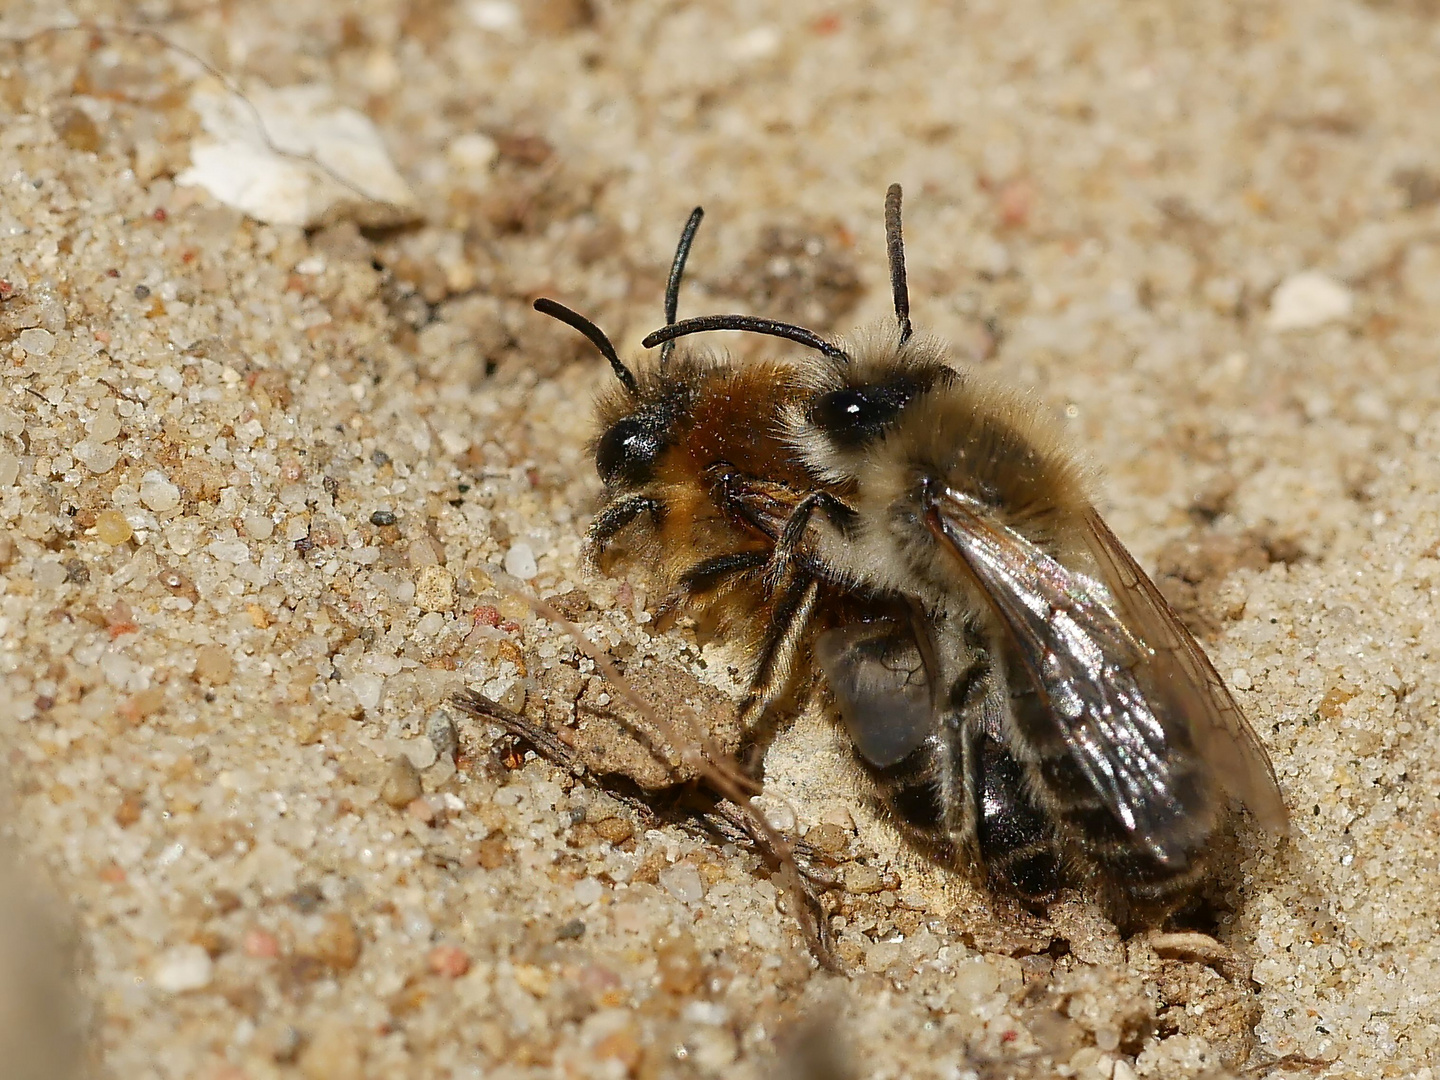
(1222,735)
(878,678)
(1131,703)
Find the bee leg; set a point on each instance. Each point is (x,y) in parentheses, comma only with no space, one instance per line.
(705,578)
(788,543)
(615,517)
(713,574)
(779,649)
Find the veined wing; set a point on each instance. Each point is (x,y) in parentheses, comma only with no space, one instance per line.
(1130,703)
(1222,735)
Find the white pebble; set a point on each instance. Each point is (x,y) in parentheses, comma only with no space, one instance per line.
(520,562)
(37,342)
(780,815)
(366,688)
(231,551)
(421,753)
(49,574)
(96,457)
(1307,300)
(185,967)
(756,44)
(158,493)
(472,153)
(1240,679)
(260,526)
(104,427)
(683,882)
(493,14)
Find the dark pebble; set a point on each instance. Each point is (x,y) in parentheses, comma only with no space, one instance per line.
(569,931)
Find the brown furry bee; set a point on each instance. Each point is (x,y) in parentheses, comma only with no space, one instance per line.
(699,480)
(1019,689)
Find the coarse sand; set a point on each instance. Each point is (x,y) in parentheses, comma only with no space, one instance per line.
(267,490)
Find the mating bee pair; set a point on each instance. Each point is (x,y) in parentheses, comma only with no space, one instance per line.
(1022,695)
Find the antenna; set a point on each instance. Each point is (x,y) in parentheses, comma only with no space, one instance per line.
(750,324)
(597,337)
(677,271)
(895,250)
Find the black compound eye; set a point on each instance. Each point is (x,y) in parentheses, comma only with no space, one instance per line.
(858,415)
(627,452)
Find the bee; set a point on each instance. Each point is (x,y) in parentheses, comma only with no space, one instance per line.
(1020,691)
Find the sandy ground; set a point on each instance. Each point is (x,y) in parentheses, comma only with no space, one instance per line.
(261,486)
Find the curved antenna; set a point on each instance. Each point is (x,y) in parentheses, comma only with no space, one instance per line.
(895,250)
(750,324)
(597,337)
(677,271)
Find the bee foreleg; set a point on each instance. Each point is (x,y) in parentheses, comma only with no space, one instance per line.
(788,543)
(615,517)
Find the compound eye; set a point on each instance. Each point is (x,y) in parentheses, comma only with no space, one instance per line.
(627,452)
(858,415)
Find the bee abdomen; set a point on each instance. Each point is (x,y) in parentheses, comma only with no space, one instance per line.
(917,792)
(1152,870)
(1017,842)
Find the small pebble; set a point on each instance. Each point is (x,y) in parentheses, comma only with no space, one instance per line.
(434,589)
(1240,679)
(77,130)
(36,342)
(472,152)
(840,817)
(532,979)
(337,944)
(829,838)
(683,882)
(97,457)
(421,752)
(975,978)
(779,813)
(587,891)
(440,730)
(112,528)
(1306,300)
(571,930)
(402,783)
(367,688)
(260,944)
(158,493)
(449,961)
(49,574)
(259,526)
(185,967)
(105,426)
(859,878)
(520,562)
(382,518)
(213,665)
